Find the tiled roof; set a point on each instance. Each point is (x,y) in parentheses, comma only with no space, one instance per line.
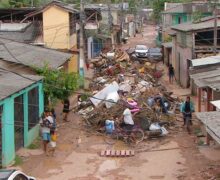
(30,55)
(11,83)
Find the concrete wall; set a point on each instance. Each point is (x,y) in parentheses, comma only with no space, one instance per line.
(181,66)
(8,141)
(174,44)
(131,30)
(73,65)
(56,33)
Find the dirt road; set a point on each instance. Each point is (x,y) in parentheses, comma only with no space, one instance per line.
(175,156)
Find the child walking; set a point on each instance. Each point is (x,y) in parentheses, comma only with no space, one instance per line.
(53,143)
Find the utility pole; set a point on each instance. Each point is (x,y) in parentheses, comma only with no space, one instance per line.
(81,51)
(110,22)
(215,29)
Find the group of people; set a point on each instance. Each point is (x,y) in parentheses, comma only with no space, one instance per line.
(48,127)
(48,130)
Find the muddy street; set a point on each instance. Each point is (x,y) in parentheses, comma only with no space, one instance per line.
(77,157)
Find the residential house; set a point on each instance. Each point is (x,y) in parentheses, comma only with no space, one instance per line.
(178,13)
(108,33)
(201,65)
(211,122)
(58,24)
(62,32)
(21,92)
(12,28)
(190,41)
(27,55)
(21,105)
(129,26)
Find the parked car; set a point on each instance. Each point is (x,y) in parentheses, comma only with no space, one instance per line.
(12,174)
(141,51)
(154,54)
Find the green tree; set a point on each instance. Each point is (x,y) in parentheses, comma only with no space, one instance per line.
(58,84)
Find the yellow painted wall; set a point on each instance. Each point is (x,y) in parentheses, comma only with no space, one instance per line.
(73,40)
(56,28)
(73,64)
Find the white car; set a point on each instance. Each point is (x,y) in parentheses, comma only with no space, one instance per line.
(141,51)
(8,174)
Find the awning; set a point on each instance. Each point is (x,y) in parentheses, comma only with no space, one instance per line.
(211,120)
(205,61)
(207,79)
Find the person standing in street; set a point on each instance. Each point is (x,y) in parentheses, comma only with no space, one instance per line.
(187,108)
(171,73)
(66,106)
(46,122)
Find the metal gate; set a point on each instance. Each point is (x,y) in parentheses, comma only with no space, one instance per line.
(1,114)
(19,122)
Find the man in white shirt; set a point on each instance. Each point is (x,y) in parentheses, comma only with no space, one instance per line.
(46,123)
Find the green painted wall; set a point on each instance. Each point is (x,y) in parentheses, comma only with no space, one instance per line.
(185,17)
(176,17)
(8,145)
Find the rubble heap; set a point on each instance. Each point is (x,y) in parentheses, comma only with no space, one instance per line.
(116,79)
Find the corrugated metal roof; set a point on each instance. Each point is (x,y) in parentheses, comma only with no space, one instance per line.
(205,61)
(209,78)
(11,83)
(216,103)
(31,55)
(189,26)
(212,122)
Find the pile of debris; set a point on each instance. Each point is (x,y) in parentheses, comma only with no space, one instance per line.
(117,83)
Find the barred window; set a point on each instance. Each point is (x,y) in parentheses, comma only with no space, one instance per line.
(19,121)
(33,107)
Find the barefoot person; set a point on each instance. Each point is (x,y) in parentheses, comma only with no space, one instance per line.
(46,122)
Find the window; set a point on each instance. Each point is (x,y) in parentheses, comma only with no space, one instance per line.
(33,107)
(20,177)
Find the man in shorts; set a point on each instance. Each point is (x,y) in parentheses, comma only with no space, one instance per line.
(46,123)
